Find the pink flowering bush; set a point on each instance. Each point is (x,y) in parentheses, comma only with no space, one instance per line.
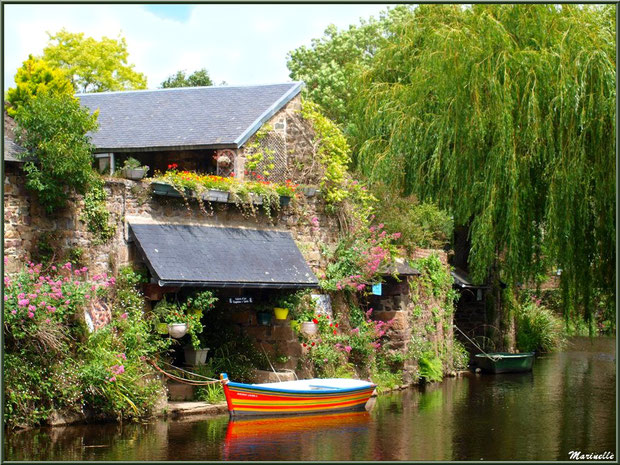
(359,348)
(36,300)
(52,361)
(359,260)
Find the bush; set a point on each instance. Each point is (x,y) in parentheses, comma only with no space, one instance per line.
(53,364)
(430,367)
(53,128)
(421,224)
(538,328)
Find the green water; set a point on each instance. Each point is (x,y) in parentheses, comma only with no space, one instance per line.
(568,403)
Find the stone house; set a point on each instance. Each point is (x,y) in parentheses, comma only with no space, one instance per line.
(184,248)
(207,129)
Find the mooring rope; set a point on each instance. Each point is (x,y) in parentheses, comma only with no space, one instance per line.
(184,380)
(495,358)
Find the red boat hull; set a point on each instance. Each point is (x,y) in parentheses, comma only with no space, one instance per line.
(247,399)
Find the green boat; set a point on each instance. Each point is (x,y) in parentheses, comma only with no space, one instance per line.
(504,362)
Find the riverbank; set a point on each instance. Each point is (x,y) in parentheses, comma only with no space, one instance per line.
(182,409)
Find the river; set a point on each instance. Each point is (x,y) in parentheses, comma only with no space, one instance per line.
(568,403)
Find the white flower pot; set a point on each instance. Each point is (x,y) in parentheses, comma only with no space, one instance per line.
(177,330)
(309,328)
(195,356)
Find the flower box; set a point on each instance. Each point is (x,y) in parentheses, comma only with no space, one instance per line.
(163,188)
(215,195)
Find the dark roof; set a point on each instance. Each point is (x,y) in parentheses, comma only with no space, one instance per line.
(185,255)
(462,280)
(12,151)
(184,118)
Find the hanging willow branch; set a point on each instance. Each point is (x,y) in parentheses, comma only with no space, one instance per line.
(505,115)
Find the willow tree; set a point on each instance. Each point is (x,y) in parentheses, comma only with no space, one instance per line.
(505,115)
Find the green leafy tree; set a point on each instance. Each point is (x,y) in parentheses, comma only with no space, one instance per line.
(36,77)
(198,78)
(330,63)
(93,66)
(504,115)
(53,128)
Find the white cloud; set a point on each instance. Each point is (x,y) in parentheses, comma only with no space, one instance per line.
(241,44)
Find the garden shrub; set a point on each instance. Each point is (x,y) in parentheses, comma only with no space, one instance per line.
(538,328)
(53,364)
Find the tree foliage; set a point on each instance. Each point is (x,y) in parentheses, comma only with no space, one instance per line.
(329,64)
(198,78)
(53,128)
(36,77)
(93,66)
(504,115)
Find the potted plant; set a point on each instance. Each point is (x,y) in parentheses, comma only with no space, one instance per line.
(286,191)
(284,304)
(263,315)
(194,307)
(133,169)
(195,356)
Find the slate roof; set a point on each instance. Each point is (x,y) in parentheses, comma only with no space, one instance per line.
(203,256)
(462,280)
(184,118)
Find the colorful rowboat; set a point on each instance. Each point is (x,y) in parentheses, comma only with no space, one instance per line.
(306,396)
(503,362)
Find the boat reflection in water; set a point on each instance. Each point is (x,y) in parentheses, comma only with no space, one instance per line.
(292,436)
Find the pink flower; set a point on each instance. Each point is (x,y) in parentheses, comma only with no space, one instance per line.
(32,308)
(6,297)
(67,266)
(47,320)
(112,379)
(23,302)
(355,330)
(123,356)
(14,312)
(6,260)
(348,349)
(123,316)
(30,315)
(21,295)
(53,267)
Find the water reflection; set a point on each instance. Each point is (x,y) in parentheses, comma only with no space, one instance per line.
(566,403)
(333,436)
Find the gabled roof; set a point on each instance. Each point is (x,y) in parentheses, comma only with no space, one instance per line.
(205,256)
(184,118)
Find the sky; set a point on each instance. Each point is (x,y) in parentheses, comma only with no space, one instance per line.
(237,44)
